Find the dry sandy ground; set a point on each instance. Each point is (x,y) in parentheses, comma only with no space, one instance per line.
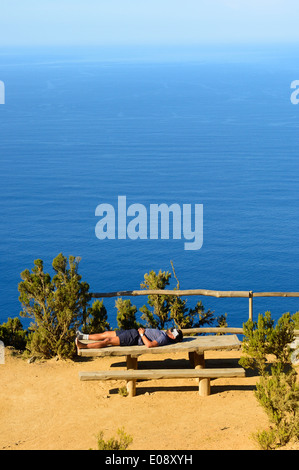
(44,406)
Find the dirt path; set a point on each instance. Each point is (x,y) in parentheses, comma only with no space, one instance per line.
(43,405)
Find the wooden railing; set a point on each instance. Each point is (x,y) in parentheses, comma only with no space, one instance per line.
(211,293)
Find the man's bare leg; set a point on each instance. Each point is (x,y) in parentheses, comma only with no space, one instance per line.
(101,336)
(110,341)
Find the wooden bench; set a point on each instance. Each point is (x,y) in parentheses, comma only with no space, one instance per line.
(131,375)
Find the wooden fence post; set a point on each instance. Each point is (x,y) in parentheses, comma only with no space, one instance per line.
(250,305)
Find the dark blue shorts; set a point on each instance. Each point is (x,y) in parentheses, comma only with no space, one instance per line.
(128,337)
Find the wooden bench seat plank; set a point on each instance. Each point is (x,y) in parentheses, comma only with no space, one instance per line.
(204,376)
(155,374)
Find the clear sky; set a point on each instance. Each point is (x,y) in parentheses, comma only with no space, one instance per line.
(165,22)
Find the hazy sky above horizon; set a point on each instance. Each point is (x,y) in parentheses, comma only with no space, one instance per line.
(150,22)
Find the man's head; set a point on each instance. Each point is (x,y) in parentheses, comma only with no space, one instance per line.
(175,335)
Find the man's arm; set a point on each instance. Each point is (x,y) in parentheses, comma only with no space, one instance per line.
(146,341)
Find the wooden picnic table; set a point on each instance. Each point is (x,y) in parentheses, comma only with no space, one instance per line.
(195,346)
(190,344)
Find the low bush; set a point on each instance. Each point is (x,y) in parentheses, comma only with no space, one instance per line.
(96,320)
(13,334)
(56,305)
(277,390)
(122,442)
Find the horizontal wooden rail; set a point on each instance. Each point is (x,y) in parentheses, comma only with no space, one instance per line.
(216,329)
(275,294)
(210,293)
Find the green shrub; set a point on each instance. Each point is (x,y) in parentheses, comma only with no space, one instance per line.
(126,314)
(158,316)
(13,334)
(122,443)
(123,392)
(166,308)
(96,320)
(262,339)
(57,306)
(185,317)
(278,394)
(266,439)
(295,318)
(277,390)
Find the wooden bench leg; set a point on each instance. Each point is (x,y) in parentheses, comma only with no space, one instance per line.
(199,360)
(204,388)
(191,359)
(131,384)
(196,359)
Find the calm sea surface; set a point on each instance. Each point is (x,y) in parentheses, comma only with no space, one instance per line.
(80,128)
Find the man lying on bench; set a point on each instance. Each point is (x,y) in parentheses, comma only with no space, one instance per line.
(150,337)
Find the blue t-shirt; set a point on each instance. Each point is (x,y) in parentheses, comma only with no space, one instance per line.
(154,334)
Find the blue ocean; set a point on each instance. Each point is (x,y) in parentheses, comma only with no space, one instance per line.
(215,126)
